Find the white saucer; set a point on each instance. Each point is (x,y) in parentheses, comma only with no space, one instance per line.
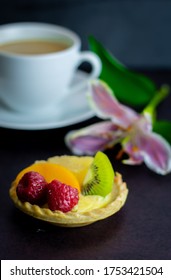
(75,109)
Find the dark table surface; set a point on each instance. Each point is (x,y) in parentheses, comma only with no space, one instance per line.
(141,230)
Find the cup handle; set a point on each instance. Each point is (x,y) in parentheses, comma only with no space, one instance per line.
(94,61)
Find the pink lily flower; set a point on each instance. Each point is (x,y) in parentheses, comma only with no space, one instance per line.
(121,125)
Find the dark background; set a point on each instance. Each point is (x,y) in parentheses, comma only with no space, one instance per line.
(138,32)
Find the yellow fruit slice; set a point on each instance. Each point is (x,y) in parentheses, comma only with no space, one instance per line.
(78,165)
(51,171)
(91,202)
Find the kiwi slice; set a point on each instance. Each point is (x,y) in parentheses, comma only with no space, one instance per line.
(100,176)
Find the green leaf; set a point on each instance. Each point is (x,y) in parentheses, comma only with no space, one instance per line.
(163,128)
(129,87)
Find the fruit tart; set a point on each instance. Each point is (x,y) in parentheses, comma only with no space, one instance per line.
(69,191)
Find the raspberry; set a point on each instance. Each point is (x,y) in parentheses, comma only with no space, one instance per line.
(61,196)
(32,188)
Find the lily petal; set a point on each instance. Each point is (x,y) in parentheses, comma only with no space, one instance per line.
(151,148)
(135,154)
(106,105)
(156,152)
(93,138)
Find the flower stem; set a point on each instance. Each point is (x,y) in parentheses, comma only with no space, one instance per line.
(160,95)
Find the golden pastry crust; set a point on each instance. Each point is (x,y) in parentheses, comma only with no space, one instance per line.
(74,218)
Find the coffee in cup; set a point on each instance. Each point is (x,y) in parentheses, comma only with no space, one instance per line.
(33,47)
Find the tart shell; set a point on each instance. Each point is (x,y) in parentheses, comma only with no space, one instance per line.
(74,218)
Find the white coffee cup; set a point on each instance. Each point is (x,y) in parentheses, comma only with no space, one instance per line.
(36,83)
